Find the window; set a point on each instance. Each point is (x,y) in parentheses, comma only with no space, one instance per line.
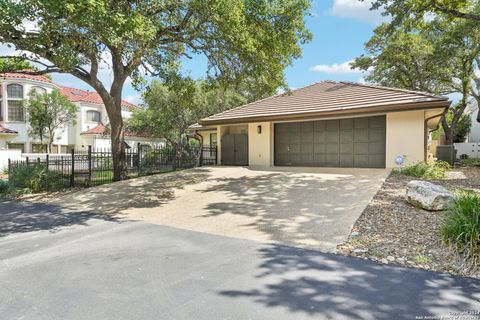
(15,108)
(15,91)
(93,116)
(213,140)
(19,146)
(39,90)
(38,148)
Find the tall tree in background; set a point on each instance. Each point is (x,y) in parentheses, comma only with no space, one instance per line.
(241,40)
(437,56)
(414,13)
(48,113)
(171,107)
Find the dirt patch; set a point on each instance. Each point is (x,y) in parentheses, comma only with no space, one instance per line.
(391,231)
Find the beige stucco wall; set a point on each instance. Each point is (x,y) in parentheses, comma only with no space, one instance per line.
(206,137)
(260,145)
(405,136)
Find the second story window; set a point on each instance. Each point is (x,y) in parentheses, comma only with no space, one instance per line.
(93,116)
(16,111)
(39,90)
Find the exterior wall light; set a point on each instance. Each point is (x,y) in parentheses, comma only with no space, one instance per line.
(259,129)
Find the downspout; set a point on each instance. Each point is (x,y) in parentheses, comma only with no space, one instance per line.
(427,132)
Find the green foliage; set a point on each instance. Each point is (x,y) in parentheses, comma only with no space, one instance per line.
(421,259)
(173,106)
(246,42)
(14,64)
(470,162)
(4,186)
(47,113)
(461,226)
(436,55)
(462,129)
(426,170)
(404,60)
(35,178)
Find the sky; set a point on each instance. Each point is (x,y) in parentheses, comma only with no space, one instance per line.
(339,27)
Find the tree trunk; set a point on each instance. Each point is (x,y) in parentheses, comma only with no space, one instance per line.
(114,110)
(448,130)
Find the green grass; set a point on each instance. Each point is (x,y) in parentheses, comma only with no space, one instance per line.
(426,170)
(469,162)
(461,226)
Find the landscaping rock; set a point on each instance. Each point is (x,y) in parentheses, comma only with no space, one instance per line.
(427,195)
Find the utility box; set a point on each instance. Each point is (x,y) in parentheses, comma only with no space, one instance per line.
(446,153)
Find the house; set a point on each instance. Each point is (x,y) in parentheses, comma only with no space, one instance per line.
(89,130)
(334,124)
(472,111)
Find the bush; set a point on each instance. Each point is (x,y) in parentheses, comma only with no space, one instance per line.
(426,170)
(461,227)
(3,186)
(35,178)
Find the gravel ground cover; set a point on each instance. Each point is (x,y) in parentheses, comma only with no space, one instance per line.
(391,231)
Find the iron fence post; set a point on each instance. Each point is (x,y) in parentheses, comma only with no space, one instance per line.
(47,160)
(139,147)
(9,168)
(89,165)
(72,174)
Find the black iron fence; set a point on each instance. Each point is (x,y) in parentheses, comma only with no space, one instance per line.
(93,167)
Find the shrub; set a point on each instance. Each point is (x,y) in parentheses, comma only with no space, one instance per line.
(470,162)
(461,226)
(36,178)
(426,170)
(3,186)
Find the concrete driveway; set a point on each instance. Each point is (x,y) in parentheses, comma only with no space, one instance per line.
(310,208)
(56,264)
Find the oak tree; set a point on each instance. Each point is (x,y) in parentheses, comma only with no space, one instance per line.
(241,39)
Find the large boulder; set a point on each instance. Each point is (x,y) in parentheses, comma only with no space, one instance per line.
(427,195)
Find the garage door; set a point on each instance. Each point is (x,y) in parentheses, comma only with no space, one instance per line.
(357,142)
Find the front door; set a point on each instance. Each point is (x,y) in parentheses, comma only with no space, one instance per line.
(235,150)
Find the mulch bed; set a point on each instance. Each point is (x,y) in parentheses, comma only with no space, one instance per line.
(391,231)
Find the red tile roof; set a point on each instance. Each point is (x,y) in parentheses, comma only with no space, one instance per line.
(6,130)
(74,95)
(79,95)
(17,75)
(102,129)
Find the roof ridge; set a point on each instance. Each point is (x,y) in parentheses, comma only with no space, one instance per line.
(263,99)
(376,86)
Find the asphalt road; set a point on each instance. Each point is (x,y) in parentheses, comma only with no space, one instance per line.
(60,265)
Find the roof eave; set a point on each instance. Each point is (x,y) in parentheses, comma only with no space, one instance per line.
(343,112)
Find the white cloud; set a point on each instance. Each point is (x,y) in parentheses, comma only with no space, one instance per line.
(357,9)
(134,98)
(336,68)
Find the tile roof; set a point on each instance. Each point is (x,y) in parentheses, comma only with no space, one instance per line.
(6,130)
(73,94)
(17,75)
(328,98)
(102,129)
(79,95)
